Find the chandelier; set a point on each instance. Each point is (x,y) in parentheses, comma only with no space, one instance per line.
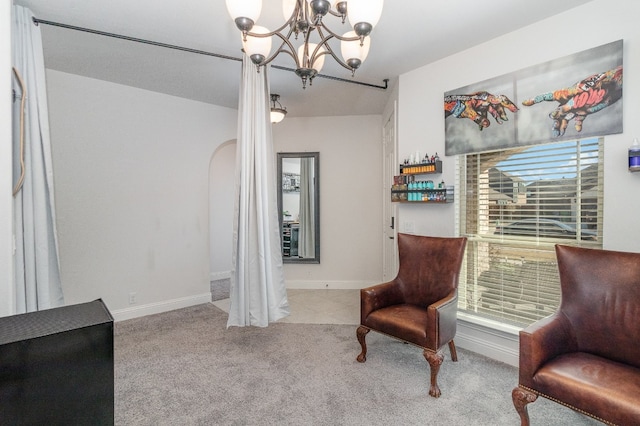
(277,110)
(305,27)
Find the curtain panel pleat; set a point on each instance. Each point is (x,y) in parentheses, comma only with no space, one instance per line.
(258,295)
(37,271)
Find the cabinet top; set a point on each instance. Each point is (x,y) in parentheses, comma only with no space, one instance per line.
(52,321)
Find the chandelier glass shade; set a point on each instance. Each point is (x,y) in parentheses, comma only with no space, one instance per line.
(304,35)
(277,110)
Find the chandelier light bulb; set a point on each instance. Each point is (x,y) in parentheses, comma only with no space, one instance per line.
(245,13)
(364,15)
(305,62)
(352,53)
(287,8)
(340,6)
(258,48)
(277,110)
(276,116)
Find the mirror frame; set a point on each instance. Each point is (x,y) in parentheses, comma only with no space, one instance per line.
(316,200)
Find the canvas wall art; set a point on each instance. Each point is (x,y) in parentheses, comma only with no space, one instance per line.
(570,98)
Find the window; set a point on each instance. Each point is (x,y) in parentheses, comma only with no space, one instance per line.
(516,205)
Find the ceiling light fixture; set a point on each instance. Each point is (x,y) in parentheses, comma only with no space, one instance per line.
(305,17)
(277,111)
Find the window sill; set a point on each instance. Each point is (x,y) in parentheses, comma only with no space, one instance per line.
(489,324)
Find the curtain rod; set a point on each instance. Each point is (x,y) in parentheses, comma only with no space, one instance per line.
(37,21)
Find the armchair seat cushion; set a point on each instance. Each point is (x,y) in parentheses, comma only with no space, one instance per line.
(406,322)
(599,386)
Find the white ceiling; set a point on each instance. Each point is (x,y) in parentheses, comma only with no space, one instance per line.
(410,34)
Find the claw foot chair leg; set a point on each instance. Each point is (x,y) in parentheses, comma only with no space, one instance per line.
(521,397)
(452,349)
(361,332)
(435,361)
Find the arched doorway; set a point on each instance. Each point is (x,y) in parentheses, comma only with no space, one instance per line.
(221,206)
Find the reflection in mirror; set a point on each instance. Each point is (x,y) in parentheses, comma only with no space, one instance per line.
(298,206)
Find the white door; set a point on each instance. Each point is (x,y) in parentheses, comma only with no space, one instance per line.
(389,248)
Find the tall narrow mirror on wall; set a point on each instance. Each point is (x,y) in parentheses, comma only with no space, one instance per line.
(299,206)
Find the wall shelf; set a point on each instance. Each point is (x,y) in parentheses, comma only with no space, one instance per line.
(440,196)
(400,192)
(421,169)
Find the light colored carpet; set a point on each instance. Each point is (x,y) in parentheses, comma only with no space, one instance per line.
(319,306)
(185,367)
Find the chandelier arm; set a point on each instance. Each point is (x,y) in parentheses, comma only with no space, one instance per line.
(328,50)
(289,22)
(291,51)
(269,34)
(272,57)
(338,15)
(306,53)
(301,6)
(339,37)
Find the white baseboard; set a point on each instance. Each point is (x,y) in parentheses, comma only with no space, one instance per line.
(215,276)
(159,307)
(307,284)
(333,285)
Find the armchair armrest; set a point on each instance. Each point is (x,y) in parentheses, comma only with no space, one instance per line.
(542,341)
(443,317)
(379,296)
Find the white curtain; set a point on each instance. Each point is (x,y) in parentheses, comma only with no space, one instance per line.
(307,241)
(258,294)
(37,272)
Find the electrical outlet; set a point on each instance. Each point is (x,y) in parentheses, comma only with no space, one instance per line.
(408,226)
(133,298)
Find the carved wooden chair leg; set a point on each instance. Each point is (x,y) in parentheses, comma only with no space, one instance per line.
(521,397)
(361,332)
(435,361)
(452,349)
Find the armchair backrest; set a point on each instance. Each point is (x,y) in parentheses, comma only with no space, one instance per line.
(601,300)
(429,267)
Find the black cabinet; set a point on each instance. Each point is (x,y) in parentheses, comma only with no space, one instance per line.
(56,367)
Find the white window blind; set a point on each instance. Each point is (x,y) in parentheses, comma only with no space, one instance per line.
(516,205)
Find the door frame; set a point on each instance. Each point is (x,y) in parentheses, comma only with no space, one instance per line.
(390,210)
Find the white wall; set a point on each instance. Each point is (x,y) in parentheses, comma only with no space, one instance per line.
(131,170)
(350,198)
(221,205)
(6,186)
(134,183)
(350,155)
(421,94)
(421,124)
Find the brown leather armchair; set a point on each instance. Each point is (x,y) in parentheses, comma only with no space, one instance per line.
(586,356)
(420,305)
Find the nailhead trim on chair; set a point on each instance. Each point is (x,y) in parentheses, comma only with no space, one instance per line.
(568,406)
